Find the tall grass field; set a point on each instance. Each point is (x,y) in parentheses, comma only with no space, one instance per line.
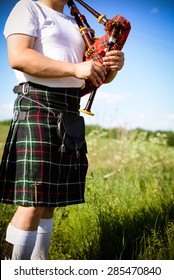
(129,209)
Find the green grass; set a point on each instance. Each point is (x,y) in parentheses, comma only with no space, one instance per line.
(4,128)
(129,209)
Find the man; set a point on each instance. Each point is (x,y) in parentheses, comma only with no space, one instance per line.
(46,51)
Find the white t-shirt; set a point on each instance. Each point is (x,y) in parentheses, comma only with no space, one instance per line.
(57,37)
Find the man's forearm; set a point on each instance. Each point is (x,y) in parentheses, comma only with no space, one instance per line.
(38,65)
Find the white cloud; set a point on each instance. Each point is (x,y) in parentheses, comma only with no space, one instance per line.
(105,102)
(140,116)
(154,10)
(113,98)
(168,121)
(170,116)
(6,110)
(166,124)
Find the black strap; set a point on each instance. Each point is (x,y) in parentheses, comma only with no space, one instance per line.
(26,87)
(22,88)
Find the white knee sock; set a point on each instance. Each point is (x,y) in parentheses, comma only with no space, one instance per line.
(41,248)
(23,242)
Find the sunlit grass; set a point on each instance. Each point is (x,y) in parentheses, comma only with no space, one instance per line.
(129,209)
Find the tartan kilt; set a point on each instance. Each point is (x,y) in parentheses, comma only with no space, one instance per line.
(33,171)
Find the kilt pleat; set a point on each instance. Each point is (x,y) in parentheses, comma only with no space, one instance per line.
(33,171)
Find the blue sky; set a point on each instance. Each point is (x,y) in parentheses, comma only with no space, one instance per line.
(142,94)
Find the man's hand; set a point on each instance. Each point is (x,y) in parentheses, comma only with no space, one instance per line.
(92,70)
(114,60)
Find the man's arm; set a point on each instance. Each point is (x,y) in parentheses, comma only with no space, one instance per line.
(24,58)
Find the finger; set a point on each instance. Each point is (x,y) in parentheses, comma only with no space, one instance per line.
(114,64)
(96,81)
(117,66)
(97,77)
(114,53)
(101,71)
(111,58)
(99,66)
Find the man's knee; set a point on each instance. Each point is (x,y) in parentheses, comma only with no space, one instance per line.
(31,210)
(27,218)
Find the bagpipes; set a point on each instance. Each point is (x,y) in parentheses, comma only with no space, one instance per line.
(117,30)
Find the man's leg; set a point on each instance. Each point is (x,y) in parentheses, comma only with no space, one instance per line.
(22,231)
(44,231)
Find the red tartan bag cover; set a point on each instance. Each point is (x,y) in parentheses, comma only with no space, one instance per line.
(96,51)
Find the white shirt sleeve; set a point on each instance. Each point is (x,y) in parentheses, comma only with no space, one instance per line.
(56,36)
(22,19)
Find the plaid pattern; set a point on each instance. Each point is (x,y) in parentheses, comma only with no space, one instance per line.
(7,251)
(96,51)
(33,171)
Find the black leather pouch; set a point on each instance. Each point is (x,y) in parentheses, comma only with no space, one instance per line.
(71,130)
